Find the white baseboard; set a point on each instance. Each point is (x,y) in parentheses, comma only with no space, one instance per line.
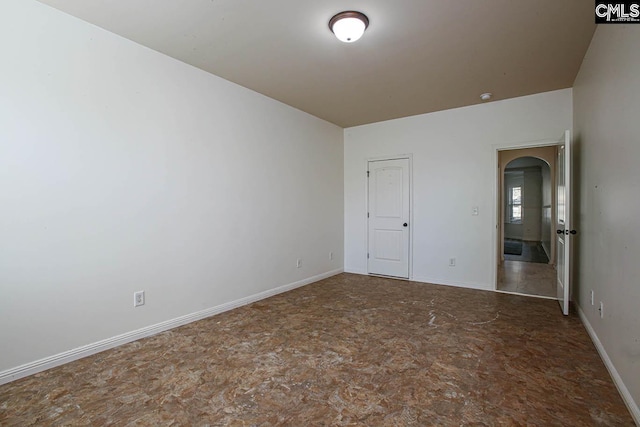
(617,379)
(106,344)
(547,251)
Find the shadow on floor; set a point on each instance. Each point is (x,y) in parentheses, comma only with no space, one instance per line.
(524,250)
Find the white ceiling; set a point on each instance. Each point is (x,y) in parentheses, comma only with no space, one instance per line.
(417,56)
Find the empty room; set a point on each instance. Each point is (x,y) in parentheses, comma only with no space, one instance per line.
(288,213)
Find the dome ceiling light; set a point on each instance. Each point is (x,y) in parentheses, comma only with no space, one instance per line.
(349,26)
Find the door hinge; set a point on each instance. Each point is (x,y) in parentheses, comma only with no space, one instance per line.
(367,214)
(367,174)
(367,255)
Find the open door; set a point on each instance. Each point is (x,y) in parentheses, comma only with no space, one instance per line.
(563,226)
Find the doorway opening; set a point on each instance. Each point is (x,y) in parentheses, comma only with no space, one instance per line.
(527,200)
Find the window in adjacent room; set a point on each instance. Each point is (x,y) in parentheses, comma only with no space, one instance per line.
(515,204)
(514,190)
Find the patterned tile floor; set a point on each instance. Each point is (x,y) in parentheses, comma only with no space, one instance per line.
(347,351)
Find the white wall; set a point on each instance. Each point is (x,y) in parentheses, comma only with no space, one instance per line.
(530,180)
(122,169)
(512,230)
(453,170)
(532,204)
(607,152)
(546,214)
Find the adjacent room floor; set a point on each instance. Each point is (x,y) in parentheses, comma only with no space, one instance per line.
(524,250)
(527,278)
(349,350)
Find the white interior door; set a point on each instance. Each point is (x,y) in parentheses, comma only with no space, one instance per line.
(563,226)
(388,251)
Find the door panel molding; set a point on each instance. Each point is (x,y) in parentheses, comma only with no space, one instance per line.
(392,237)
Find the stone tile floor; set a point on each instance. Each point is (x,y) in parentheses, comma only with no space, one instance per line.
(346,351)
(527,278)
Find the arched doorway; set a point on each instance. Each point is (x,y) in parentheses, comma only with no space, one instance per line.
(527,206)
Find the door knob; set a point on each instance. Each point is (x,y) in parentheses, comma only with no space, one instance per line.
(559,232)
(405,224)
(573,232)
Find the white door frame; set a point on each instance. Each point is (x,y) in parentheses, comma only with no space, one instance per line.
(366,207)
(496,200)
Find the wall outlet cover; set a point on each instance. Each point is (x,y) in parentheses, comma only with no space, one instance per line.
(138,298)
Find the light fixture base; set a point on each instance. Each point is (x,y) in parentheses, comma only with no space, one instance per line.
(486,96)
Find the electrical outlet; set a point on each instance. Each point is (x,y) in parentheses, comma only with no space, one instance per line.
(331,256)
(474,211)
(299,263)
(601,309)
(452,262)
(592,297)
(138,298)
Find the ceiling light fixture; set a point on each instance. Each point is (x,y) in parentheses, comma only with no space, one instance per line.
(349,26)
(486,96)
